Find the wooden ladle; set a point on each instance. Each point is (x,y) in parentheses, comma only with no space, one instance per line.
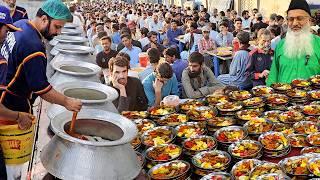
(72,127)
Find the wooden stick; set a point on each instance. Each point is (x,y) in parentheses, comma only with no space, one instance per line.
(73,122)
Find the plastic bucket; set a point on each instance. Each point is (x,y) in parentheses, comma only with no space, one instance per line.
(16,144)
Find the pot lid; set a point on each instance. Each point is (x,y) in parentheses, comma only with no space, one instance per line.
(88,92)
(73,49)
(68,39)
(122,129)
(70,26)
(75,68)
(71,32)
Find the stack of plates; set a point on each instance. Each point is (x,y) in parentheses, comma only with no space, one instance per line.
(275,144)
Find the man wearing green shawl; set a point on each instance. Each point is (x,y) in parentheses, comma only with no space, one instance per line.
(298,54)
(26,76)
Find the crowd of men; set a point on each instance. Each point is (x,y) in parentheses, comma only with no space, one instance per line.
(119,32)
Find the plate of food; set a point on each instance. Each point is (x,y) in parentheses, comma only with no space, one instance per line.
(277,99)
(296,108)
(300,83)
(172,119)
(286,129)
(306,127)
(308,150)
(217,176)
(253,102)
(273,176)
(248,114)
(202,113)
(240,95)
(314,166)
(264,168)
(171,170)
(262,91)
(274,141)
(211,160)
(281,86)
(190,104)
(158,136)
(296,165)
(136,143)
(272,115)
(229,106)
(135,114)
(297,93)
(144,125)
(291,117)
(216,99)
(224,53)
(315,94)
(241,170)
(199,143)
(163,153)
(221,121)
(190,129)
(314,139)
(162,111)
(231,134)
(298,140)
(258,126)
(245,149)
(312,110)
(315,80)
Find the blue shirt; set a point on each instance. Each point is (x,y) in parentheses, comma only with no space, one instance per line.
(145,73)
(169,88)
(27,65)
(134,55)
(19,13)
(178,66)
(171,35)
(224,40)
(116,38)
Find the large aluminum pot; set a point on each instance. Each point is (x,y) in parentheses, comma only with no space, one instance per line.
(65,39)
(71,49)
(111,157)
(93,96)
(68,71)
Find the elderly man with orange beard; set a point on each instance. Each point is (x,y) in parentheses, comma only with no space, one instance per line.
(298,54)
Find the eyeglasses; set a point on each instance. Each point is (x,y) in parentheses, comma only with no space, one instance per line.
(298,18)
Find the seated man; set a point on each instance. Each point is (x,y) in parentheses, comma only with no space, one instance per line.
(174,32)
(198,80)
(153,42)
(154,58)
(224,38)
(237,76)
(131,93)
(160,84)
(261,59)
(172,57)
(130,49)
(103,57)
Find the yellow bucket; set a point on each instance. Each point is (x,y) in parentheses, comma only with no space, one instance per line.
(16,144)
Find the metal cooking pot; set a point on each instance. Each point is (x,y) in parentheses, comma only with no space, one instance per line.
(71,32)
(111,157)
(103,103)
(64,39)
(71,49)
(68,71)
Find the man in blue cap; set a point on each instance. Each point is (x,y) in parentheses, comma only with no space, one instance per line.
(27,62)
(24,120)
(16,12)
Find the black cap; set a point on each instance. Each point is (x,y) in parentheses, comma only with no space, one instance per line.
(299,4)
